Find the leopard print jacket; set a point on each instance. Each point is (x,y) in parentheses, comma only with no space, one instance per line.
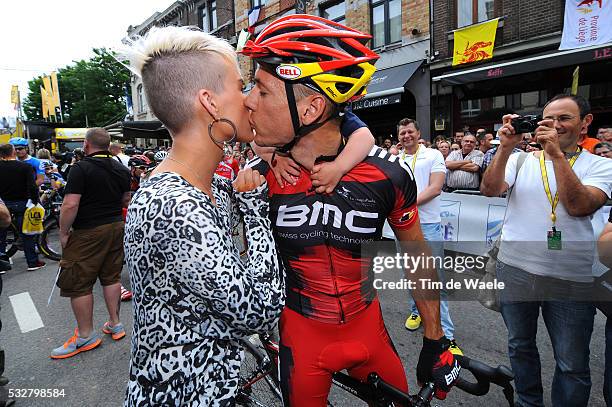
(193,297)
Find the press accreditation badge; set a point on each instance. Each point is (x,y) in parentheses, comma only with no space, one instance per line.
(554,240)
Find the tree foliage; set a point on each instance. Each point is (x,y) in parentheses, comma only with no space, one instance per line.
(94,88)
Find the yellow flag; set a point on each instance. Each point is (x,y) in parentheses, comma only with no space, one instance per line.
(45,105)
(475,43)
(15,95)
(575,76)
(55,90)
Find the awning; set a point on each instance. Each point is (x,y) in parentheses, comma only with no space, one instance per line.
(391,80)
(387,85)
(534,63)
(152,129)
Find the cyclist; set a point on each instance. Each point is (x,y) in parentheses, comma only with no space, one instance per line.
(139,164)
(53,179)
(17,186)
(309,67)
(23,155)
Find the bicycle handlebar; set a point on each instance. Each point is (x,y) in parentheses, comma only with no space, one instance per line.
(483,373)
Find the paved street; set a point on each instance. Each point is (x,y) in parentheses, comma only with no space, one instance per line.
(98,377)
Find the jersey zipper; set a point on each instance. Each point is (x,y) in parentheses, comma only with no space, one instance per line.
(333,273)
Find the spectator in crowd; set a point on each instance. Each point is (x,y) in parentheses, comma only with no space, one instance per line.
(444,148)
(488,157)
(587,142)
(78,155)
(421,142)
(605,256)
(17,186)
(531,147)
(248,154)
(604,133)
(91,235)
(458,137)
(464,166)
(116,150)
(150,155)
(438,140)
(23,155)
(43,156)
(429,171)
(455,147)
(484,140)
(386,145)
(603,149)
(559,187)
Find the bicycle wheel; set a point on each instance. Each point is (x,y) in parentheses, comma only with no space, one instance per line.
(13,240)
(258,384)
(49,241)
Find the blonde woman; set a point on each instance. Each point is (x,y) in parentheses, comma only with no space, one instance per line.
(193,298)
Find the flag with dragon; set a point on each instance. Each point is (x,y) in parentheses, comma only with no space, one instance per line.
(475,43)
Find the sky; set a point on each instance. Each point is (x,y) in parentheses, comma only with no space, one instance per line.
(38,37)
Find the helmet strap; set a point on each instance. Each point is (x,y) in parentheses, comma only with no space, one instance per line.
(300,131)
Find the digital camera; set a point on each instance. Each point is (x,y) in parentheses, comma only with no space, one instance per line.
(526,124)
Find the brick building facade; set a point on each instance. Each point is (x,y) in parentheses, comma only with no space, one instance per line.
(526,70)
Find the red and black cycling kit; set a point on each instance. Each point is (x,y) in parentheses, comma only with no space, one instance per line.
(329,284)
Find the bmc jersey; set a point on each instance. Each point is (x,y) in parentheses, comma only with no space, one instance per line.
(320,236)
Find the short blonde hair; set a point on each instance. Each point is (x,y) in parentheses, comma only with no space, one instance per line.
(175,63)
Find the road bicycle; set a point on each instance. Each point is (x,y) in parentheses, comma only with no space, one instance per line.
(47,243)
(259,383)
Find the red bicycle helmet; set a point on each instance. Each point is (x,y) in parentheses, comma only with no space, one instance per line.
(322,54)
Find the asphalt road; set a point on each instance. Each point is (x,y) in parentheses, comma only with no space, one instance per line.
(98,377)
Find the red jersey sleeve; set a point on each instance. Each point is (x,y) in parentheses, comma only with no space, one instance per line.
(404,213)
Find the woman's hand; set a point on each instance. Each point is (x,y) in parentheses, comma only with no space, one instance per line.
(286,171)
(248,180)
(325,177)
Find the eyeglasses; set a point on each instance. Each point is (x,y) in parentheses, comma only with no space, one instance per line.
(19,148)
(564,118)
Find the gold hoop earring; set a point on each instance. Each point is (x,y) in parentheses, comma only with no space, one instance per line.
(223,145)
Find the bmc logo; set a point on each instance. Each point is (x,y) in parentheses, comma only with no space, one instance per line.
(294,216)
(288,71)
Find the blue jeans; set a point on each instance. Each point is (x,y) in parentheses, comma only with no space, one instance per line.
(433,233)
(607,390)
(17,208)
(569,325)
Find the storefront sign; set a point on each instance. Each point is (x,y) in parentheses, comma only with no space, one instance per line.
(377,102)
(586,23)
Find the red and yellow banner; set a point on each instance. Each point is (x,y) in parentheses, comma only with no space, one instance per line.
(475,43)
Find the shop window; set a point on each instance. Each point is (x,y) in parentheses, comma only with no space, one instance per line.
(470,108)
(386,22)
(335,12)
(474,11)
(499,102)
(208,16)
(530,100)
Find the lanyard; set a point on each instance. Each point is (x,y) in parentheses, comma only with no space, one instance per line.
(414,158)
(555,201)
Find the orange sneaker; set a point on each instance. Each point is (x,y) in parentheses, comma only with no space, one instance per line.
(116,332)
(76,345)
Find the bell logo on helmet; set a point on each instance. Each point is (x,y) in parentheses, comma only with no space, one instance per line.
(288,71)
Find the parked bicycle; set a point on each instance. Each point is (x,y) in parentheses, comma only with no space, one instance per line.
(48,243)
(259,383)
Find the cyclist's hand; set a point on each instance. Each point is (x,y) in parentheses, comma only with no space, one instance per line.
(437,365)
(286,171)
(247,180)
(325,177)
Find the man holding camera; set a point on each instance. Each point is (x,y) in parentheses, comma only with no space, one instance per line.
(547,248)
